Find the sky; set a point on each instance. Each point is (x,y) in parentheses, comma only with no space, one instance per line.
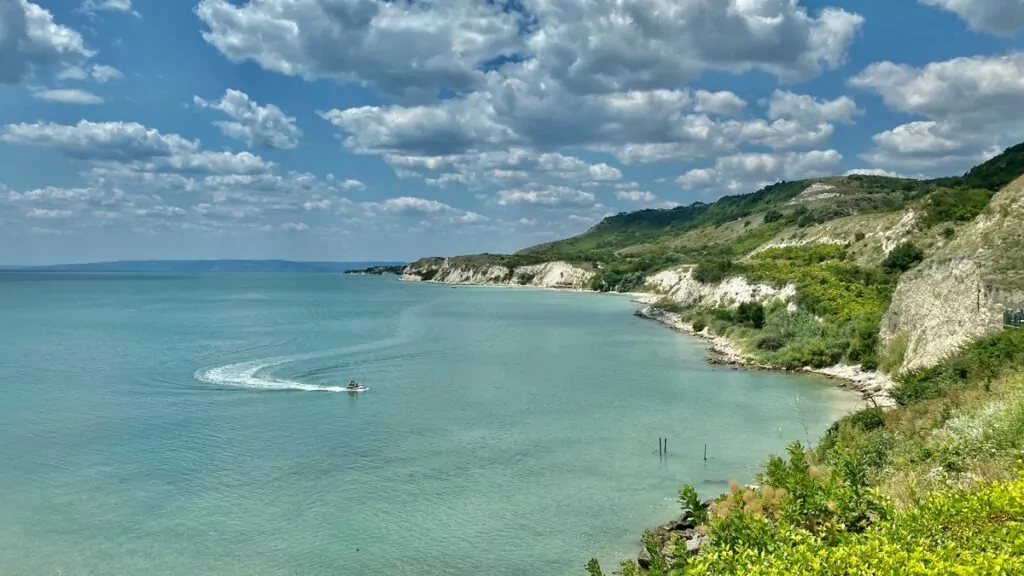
(391,130)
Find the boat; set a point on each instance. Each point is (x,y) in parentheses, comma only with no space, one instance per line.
(354,386)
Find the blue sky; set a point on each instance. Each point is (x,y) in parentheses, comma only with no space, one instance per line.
(363,129)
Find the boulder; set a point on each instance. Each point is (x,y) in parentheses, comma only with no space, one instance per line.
(695,543)
(644,558)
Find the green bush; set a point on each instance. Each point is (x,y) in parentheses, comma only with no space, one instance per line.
(751,314)
(976,364)
(903,257)
(699,325)
(712,271)
(772,216)
(955,205)
(858,236)
(952,532)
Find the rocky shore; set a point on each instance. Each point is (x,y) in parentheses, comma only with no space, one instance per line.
(873,387)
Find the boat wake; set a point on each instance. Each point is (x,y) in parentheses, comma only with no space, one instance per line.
(250,375)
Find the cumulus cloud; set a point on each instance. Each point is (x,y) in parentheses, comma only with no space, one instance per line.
(649,126)
(133,144)
(552,196)
(723,103)
(98,72)
(1001,17)
(500,167)
(809,110)
(67,96)
(587,45)
(257,126)
(29,38)
(405,49)
(747,172)
(971,108)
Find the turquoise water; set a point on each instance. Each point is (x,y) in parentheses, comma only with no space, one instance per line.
(185,425)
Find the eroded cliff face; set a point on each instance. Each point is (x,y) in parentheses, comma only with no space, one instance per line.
(959,293)
(453,271)
(679,286)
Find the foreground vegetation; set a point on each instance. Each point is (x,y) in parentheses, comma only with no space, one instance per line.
(934,486)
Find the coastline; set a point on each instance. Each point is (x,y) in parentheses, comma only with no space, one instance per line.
(872,387)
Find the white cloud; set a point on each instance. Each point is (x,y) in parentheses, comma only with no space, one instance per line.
(93,6)
(747,172)
(257,126)
(410,49)
(874,172)
(1002,17)
(971,106)
(104,73)
(809,110)
(721,103)
(587,45)
(99,72)
(130,143)
(44,213)
(67,96)
(643,198)
(295,227)
(29,38)
(352,185)
(552,196)
(500,167)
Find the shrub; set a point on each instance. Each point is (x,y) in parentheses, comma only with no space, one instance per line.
(772,216)
(699,325)
(711,271)
(951,532)
(974,365)
(858,236)
(751,314)
(948,232)
(955,205)
(903,257)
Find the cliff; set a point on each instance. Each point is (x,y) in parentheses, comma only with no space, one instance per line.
(478,271)
(959,293)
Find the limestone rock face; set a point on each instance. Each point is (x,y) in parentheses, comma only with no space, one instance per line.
(959,293)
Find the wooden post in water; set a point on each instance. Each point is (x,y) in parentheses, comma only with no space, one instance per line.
(705,451)
(666,447)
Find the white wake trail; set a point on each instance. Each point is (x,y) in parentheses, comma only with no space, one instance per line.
(247,375)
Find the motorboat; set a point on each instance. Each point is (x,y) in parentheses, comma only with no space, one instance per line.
(354,386)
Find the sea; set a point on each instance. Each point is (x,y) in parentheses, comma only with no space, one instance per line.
(193,424)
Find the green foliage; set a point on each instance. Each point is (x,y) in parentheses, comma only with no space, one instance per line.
(699,325)
(996,173)
(750,314)
(903,257)
(712,271)
(690,503)
(772,216)
(858,236)
(948,232)
(428,274)
(952,532)
(955,205)
(972,366)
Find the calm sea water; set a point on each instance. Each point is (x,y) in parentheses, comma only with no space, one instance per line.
(188,425)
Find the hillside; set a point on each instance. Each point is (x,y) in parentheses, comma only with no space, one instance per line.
(902,285)
(821,259)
